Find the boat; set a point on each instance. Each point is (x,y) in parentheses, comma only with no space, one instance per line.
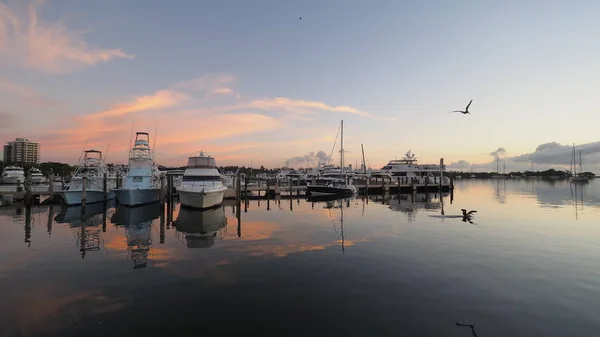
(577,177)
(200,228)
(12,175)
(201,185)
(407,170)
(142,182)
(341,184)
(36,176)
(91,169)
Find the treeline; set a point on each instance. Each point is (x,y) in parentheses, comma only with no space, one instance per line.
(562,174)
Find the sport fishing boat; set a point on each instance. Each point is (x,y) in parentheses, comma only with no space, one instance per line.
(142,183)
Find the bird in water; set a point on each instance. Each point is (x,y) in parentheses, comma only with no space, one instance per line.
(472,326)
(467,216)
(466,109)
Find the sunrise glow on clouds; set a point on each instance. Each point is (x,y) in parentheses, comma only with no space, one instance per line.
(265,99)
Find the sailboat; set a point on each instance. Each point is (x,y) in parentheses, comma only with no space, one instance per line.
(577,177)
(341,186)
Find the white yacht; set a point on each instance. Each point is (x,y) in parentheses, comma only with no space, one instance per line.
(408,171)
(36,176)
(91,167)
(201,186)
(12,174)
(142,183)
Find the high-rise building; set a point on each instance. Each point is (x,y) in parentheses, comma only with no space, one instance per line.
(2,154)
(22,151)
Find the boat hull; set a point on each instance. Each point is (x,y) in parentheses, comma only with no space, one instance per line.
(74,197)
(12,180)
(201,199)
(314,190)
(134,197)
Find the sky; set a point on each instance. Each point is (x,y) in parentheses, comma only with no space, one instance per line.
(251,83)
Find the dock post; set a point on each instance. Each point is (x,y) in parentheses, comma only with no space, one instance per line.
(51,187)
(298,188)
(268,192)
(104,179)
(382,185)
(398,187)
(28,196)
(169,195)
(245,188)
(238,190)
(19,186)
(83,192)
(162,191)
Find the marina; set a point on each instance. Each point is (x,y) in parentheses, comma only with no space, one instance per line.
(308,255)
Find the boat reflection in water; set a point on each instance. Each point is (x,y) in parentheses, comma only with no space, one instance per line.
(201,228)
(85,222)
(138,229)
(90,214)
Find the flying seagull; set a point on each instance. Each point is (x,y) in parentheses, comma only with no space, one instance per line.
(466,109)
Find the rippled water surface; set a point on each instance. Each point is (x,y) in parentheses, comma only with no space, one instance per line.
(527,265)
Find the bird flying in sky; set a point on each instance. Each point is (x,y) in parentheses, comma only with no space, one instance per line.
(466,109)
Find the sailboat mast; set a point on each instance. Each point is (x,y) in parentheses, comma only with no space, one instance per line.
(574,161)
(364,164)
(342,148)
(580,163)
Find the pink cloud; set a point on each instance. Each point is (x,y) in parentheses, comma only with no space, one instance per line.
(48,46)
(159,100)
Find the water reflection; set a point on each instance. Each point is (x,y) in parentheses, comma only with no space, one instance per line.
(201,229)
(85,222)
(412,203)
(138,230)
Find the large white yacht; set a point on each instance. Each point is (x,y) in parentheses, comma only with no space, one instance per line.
(201,186)
(36,176)
(408,170)
(12,174)
(142,183)
(91,167)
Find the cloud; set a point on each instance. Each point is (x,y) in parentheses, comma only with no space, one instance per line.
(498,153)
(308,160)
(47,46)
(7,120)
(461,164)
(304,107)
(26,94)
(160,99)
(215,83)
(555,153)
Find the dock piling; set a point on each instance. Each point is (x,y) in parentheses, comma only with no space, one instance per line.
(105,192)
(51,187)
(83,192)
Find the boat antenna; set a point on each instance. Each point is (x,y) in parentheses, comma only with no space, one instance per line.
(83,150)
(107,149)
(131,137)
(155,133)
(333,147)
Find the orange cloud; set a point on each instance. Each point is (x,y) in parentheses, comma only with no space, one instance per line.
(48,46)
(161,99)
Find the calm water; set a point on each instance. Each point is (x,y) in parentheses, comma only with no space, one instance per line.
(528,265)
